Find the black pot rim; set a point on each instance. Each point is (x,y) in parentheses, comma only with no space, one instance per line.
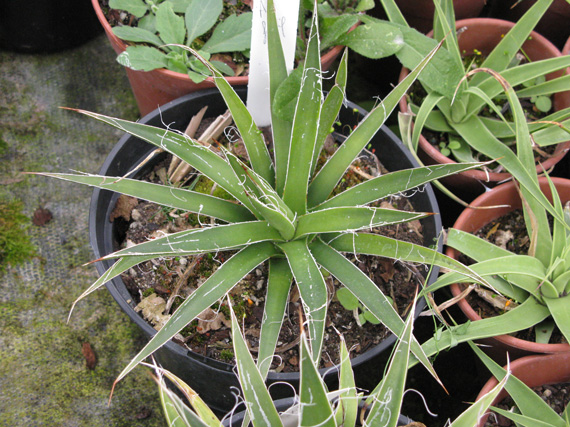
(120,293)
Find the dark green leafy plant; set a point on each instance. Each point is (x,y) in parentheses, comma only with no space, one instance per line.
(201,25)
(164,23)
(351,303)
(283,212)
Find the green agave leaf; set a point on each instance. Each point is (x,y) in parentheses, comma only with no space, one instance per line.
(553,135)
(523,271)
(312,289)
(315,407)
(549,87)
(510,44)
(217,285)
(343,219)
(529,403)
(471,416)
(526,315)
(285,99)
(516,76)
(278,286)
(304,134)
(201,16)
(117,268)
(136,34)
(169,25)
(175,412)
(559,310)
(347,411)
(143,58)
(559,243)
(202,240)
(392,183)
(444,29)
(250,133)
(202,409)
(258,402)
(387,400)
(173,197)
(474,247)
(280,127)
(328,177)
(475,91)
(192,152)
(231,35)
(134,7)
(375,244)
(373,40)
(435,119)
(264,199)
(478,137)
(370,296)
(393,12)
(506,130)
(523,420)
(331,107)
(422,116)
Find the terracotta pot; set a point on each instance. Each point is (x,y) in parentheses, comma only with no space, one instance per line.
(484,34)
(554,25)
(471,220)
(419,13)
(534,371)
(157,87)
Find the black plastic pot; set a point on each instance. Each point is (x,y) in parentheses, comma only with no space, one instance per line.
(212,379)
(44,26)
(236,419)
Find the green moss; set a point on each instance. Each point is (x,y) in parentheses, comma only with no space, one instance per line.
(227,355)
(15,245)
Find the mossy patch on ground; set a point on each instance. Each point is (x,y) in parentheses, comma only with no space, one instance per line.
(44,374)
(15,245)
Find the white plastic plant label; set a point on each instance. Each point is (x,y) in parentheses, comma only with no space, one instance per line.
(287,13)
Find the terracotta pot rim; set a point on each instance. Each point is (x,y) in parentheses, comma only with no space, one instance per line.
(477,174)
(487,199)
(523,364)
(239,80)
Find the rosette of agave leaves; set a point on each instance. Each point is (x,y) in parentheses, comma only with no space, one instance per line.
(315,405)
(284,213)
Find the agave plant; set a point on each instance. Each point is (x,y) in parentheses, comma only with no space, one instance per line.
(458,97)
(532,409)
(283,212)
(537,282)
(315,405)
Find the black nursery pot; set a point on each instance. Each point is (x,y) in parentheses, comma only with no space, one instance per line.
(236,419)
(45,26)
(216,381)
